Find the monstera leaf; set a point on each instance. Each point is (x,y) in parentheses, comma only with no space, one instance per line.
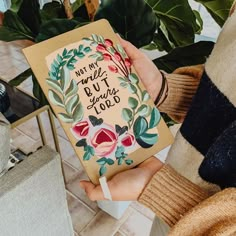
(178,22)
(134,19)
(219,9)
(193,54)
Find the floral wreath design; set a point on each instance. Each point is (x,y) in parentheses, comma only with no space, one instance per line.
(110,144)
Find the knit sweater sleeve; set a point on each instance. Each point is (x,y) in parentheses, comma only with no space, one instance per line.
(170,195)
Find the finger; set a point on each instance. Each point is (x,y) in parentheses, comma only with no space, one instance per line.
(132,52)
(94,192)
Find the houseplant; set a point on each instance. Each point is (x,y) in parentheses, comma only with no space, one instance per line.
(163,25)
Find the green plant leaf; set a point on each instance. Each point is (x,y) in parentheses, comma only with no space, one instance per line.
(95,121)
(133,78)
(132,88)
(193,54)
(55,27)
(110,161)
(147,140)
(78,113)
(133,103)
(65,118)
(155,118)
(129,162)
(127,114)
(38,92)
(71,104)
(178,19)
(81,143)
(15,5)
(144,110)
(140,126)
(219,9)
(65,78)
(52,10)
(29,12)
(102,161)
(87,156)
(119,152)
(120,130)
(76,5)
(54,98)
(121,50)
(13,28)
(54,84)
(21,77)
(102,170)
(120,161)
(122,15)
(145,96)
(72,90)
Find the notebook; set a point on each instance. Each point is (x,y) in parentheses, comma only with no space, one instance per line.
(99,99)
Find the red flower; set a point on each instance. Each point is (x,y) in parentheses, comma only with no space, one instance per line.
(106,57)
(113,69)
(117,56)
(81,129)
(128,140)
(104,142)
(128,62)
(108,43)
(100,48)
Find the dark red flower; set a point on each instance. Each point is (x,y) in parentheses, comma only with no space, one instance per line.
(104,142)
(81,129)
(117,56)
(113,69)
(128,62)
(100,48)
(128,140)
(106,57)
(108,43)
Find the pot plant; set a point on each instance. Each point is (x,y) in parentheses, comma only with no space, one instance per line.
(164,25)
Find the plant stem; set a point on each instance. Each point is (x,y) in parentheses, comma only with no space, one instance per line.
(68,9)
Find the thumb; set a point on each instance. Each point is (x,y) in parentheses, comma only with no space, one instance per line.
(94,192)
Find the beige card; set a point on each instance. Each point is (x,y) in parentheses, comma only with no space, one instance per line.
(99,100)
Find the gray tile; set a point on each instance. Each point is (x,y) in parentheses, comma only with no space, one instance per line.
(103,224)
(80,214)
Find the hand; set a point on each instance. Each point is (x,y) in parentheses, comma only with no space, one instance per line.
(146,69)
(127,185)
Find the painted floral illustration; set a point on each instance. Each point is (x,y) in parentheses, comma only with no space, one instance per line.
(110,144)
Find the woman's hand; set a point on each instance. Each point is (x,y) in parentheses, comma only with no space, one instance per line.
(147,71)
(127,185)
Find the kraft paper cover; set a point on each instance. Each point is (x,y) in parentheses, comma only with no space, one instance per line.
(99,99)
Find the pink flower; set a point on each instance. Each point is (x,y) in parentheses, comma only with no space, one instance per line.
(104,142)
(100,48)
(117,56)
(106,57)
(113,69)
(108,43)
(127,62)
(128,140)
(81,129)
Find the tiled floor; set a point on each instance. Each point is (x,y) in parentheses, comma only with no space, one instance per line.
(88,219)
